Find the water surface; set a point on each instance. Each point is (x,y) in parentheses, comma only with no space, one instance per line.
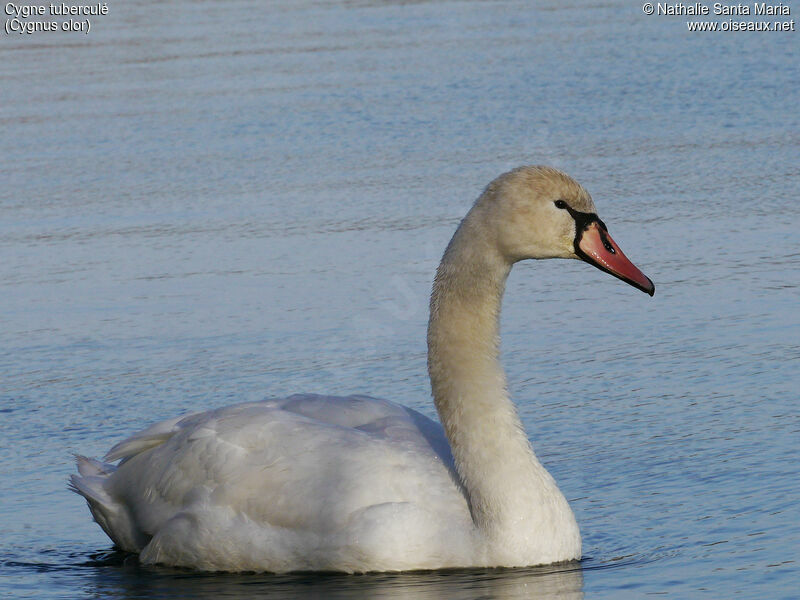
(208,203)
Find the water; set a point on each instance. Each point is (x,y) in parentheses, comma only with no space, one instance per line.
(207,203)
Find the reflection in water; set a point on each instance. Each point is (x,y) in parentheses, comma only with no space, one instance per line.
(119,576)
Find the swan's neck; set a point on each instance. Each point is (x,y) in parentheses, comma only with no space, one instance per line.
(514,501)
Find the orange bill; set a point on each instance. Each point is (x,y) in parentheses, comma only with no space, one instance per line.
(596,247)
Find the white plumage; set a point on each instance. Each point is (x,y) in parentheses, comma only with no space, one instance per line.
(357,483)
(307,482)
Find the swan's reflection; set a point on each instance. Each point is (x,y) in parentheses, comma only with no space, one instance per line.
(123,578)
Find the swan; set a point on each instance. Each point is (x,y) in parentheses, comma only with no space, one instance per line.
(356,483)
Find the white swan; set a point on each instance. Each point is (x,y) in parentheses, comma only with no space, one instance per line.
(360,484)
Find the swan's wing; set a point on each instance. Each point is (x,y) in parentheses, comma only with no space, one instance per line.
(377,417)
(151,437)
(311,464)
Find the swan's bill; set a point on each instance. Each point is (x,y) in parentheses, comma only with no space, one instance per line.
(596,247)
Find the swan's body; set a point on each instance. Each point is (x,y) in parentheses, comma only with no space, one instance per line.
(361,484)
(307,482)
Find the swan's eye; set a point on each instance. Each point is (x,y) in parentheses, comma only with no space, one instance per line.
(560,204)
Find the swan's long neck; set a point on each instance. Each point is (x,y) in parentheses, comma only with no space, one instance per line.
(514,501)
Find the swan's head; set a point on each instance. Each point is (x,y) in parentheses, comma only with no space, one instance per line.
(540,212)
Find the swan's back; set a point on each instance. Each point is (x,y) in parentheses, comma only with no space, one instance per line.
(306,482)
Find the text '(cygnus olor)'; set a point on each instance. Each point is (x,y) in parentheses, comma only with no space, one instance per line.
(360,484)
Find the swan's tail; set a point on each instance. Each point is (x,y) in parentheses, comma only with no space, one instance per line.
(113,517)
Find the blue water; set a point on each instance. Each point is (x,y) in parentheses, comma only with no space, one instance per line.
(204,203)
